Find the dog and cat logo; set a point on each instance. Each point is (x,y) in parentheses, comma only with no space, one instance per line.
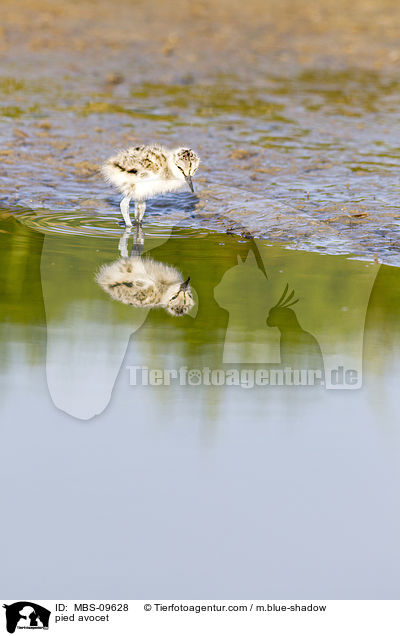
(26,615)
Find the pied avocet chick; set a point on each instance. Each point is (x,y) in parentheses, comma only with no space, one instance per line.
(142,282)
(141,172)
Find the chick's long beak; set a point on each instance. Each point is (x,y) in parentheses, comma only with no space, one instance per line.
(185,284)
(189,182)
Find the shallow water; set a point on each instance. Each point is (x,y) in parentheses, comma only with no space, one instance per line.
(128,465)
(309,159)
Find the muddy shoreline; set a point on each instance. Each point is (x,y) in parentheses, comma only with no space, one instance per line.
(205,37)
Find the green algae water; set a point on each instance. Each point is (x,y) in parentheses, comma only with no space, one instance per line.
(270,409)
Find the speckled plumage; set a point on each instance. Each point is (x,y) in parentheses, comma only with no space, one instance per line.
(146,283)
(142,172)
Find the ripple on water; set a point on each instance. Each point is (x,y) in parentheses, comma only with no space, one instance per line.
(83,223)
(88,224)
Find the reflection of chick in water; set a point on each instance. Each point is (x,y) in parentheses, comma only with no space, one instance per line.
(142,282)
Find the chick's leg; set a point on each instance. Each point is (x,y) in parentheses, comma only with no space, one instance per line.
(140,208)
(124,205)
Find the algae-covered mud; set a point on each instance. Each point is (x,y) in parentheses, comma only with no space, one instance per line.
(312,160)
(294,112)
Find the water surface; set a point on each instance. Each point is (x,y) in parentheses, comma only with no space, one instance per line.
(278,490)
